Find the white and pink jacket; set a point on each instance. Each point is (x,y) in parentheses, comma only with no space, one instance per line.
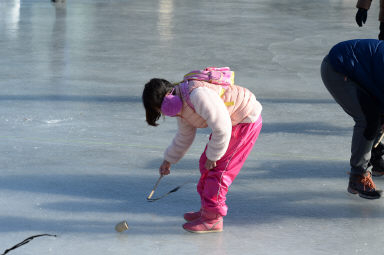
(217,107)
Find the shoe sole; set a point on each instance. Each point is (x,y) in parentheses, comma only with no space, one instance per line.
(204,232)
(355,192)
(212,230)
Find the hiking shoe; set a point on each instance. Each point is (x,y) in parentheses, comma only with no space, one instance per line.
(191,216)
(207,223)
(364,186)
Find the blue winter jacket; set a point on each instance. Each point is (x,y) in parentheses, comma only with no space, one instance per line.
(361,60)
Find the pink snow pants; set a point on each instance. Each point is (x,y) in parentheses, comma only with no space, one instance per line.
(213,184)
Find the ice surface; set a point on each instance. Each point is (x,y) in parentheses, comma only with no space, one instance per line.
(77,156)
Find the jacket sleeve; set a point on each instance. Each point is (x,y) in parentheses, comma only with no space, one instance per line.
(181,142)
(211,107)
(365,4)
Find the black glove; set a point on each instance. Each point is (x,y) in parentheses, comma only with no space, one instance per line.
(361,16)
(381,35)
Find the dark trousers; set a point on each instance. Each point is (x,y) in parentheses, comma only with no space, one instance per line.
(364,110)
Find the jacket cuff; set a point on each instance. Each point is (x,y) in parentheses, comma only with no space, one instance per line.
(365,4)
(212,157)
(171,160)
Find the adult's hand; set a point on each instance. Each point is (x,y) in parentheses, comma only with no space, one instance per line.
(361,16)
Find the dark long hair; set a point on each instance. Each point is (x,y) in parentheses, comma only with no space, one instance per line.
(153,95)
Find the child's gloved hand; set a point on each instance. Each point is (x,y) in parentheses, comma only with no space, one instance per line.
(361,16)
(209,164)
(165,168)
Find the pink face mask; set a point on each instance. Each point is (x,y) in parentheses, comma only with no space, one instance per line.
(171,105)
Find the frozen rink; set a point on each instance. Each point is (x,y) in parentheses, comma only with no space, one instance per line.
(77,156)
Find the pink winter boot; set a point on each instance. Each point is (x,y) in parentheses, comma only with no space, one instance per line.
(208,222)
(191,216)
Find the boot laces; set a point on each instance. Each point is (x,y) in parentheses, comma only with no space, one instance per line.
(368,182)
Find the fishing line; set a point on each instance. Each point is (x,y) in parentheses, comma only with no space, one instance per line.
(25,242)
(150,199)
